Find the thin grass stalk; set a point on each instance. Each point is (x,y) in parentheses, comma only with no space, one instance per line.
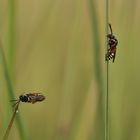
(8,66)
(21,128)
(11,40)
(107,77)
(99,130)
(11,122)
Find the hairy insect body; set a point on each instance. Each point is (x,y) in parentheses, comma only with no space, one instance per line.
(29,98)
(112,43)
(32,97)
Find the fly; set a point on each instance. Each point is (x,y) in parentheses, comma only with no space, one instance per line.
(27,98)
(112,43)
(30,98)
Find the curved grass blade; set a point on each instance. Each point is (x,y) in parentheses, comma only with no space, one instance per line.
(22,130)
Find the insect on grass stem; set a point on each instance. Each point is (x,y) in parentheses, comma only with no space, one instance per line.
(27,98)
(107,76)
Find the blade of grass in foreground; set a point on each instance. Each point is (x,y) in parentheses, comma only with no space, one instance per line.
(11,40)
(22,132)
(8,65)
(99,123)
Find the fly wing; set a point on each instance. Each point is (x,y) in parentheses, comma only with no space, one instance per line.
(35,97)
(40,97)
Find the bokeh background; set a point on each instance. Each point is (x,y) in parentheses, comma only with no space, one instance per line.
(57,47)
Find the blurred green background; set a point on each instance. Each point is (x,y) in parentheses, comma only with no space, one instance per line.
(57,47)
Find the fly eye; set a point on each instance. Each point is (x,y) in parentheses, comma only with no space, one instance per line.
(23,98)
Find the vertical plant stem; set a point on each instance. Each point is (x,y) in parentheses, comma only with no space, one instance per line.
(11,40)
(107,78)
(8,65)
(21,128)
(99,133)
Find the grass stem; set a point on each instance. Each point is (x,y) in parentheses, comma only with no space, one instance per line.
(99,133)
(21,128)
(107,78)
(11,122)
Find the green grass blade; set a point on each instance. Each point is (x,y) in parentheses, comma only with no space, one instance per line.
(99,130)
(107,78)
(21,128)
